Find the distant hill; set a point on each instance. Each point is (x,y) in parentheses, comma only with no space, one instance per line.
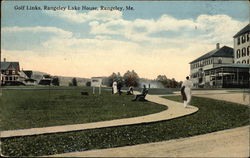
(64,81)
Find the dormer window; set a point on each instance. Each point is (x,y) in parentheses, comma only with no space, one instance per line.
(220,61)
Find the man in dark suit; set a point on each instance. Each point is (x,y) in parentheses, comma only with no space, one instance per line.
(144,92)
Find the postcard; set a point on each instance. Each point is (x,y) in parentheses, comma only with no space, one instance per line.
(125,78)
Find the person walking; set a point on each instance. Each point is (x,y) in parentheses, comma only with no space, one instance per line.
(119,87)
(186,91)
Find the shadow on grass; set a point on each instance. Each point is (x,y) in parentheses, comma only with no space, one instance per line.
(212,116)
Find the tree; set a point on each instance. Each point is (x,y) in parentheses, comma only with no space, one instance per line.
(115,77)
(111,78)
(74,82)
(168,83)
(131,78)
(55,81)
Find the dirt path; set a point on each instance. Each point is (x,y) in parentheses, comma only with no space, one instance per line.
(174,110)
(235,98)
(227,143)
(226,95)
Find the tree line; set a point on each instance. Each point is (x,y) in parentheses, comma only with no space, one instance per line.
(131,78)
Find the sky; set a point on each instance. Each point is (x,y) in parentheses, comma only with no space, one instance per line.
(154,38)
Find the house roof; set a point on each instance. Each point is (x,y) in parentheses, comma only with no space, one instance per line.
(243,31)
(225,51)
(28,73)
(6,65)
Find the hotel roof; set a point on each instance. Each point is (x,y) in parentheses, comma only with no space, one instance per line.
(225,51)
(243,31)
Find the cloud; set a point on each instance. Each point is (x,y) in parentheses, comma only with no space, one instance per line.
(219,28)
(74,16)
(140,29)
(37,29)
(89,45)
(94,57)
(205,28)
(137,46)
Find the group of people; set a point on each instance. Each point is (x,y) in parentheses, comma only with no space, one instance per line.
(185,91)
(116,88)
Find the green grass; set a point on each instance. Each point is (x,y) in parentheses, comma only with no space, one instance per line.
(60,106)
(212,116)
(162,91)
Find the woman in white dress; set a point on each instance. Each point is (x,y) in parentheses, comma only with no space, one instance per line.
(115,87)
(186,91)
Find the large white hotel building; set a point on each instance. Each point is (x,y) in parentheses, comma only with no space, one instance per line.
(224,67)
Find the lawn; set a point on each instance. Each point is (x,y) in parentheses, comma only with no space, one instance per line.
(29,108)
(162,91)
(212,116)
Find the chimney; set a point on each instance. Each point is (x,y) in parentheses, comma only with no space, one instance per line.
(217,45)
(4,59)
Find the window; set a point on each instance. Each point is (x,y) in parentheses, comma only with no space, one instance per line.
(243,39)
(7,72)
(248,50)
(248,37)
(220,61)
(238,40)
(244,62)
(247,61)
(13,72)
(243,52)
(238,53)
(10,78)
